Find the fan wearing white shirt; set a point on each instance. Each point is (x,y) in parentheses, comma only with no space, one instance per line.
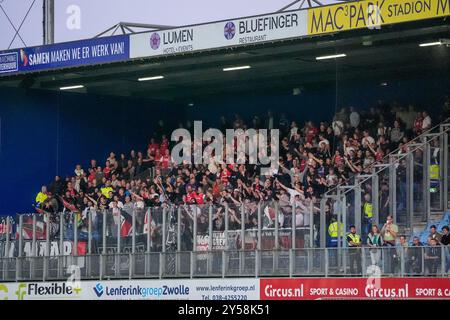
(426,122)
(367,139)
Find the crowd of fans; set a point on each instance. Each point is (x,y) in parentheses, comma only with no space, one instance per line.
(313,159)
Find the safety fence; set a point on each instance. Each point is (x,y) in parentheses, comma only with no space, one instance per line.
(131,229)
(313,262)
(409,184)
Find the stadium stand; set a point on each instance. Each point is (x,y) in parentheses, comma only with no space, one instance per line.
(313,160)
(143,203)
(366,187)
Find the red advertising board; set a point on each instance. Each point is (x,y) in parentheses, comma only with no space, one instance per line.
(354,288)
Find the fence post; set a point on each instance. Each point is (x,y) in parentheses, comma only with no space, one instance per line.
(444,166)
(179,228)
(33,249)
(256,263)
(326,262)
(443,260)
(20,252)
(89,245)
(19,258)
(47,246)
(357,203)
(363,261)
(402,261)
(75,234)
(131,269)
(392,190)
(161,264)
(293,227)
(426,180)
(102,266)
(8,226)
(423,260)
(89,232)
(178,254)
(291,262)
(133,230)
(192,266)
(276,226)
(33,243)
(227,222)
(259,227)
(74,257)
(164,222)
(242,227)
(149,233)
(410,190)
(61,245)
(119,225)
(375,198)
(224,265)
(311,226)
(442,177)
(104,232)
(118,252)
(322,227)
(210,240)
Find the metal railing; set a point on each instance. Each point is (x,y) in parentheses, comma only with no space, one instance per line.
(313,262)
(409,187)
(131,229)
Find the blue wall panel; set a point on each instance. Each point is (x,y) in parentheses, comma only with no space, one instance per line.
(45,134)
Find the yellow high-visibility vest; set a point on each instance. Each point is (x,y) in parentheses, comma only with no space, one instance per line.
(355,238)
(368,210)
(105,191)
(41,197)
(333,229)
(434,171)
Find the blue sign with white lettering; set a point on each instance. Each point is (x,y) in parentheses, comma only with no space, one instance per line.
(9,62)
(69,54)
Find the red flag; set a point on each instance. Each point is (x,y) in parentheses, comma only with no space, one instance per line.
(68,205)
(82,248)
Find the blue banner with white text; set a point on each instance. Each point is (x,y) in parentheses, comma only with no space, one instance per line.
(69,54)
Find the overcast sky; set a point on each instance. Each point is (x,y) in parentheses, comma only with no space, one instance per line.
(96,16)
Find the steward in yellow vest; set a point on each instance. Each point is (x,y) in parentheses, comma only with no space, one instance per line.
(353,239)
(354,242)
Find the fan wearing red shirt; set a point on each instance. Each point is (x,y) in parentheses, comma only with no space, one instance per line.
(91,176)
(165,160)
(164,145)
(191,195)
(153,146)
(224,174)
(418,124)
(338,158)
(107,169)
(158,158)
(70,189)
(200,196)
(310,132)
